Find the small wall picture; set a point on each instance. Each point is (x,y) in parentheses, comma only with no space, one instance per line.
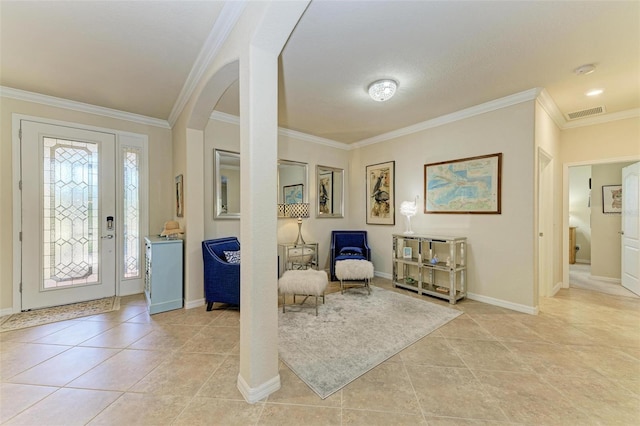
(612,199)
(293,194)
(179,197)
(406,252)
(381,194)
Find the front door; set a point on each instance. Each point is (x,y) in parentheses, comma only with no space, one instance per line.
(68,214)
(631,228)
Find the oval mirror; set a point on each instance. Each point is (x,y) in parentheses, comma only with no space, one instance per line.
(330,197)
(226,188)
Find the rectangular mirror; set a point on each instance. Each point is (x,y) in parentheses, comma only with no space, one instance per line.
(226,188)
(292,183)
(330,183)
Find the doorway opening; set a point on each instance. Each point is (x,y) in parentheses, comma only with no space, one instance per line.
(594,255)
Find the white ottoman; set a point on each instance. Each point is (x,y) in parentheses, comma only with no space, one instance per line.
(306,282)
(354,269)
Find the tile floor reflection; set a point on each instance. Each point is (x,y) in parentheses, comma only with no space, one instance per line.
(576,363)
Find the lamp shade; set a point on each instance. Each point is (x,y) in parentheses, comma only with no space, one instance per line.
(282,210)
(298,210)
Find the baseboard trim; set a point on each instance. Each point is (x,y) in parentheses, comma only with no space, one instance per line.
(382,275)
(193,303)
(531,310)
(556,288)
(6,311)
(606,279)
(253,395)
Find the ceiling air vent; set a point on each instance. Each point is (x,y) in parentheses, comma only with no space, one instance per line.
(586,113)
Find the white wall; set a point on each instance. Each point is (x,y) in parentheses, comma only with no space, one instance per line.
(580,210)
(501,249)
(161,179)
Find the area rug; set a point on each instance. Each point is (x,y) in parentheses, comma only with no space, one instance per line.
(353,333)
(58,313)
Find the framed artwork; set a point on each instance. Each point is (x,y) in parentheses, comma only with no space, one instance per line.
(381,193)
(292,194)
(612,199)
(179,197)
(468,185)
(325,192)
(406,252)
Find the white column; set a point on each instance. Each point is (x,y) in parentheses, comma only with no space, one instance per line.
(258,375)
(194,198)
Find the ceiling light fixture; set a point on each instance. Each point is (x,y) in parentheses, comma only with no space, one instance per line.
(585,69)
(594,92)
(382,90)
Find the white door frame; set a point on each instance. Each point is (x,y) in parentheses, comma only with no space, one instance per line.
(123,287)
(545,224)
(565,205)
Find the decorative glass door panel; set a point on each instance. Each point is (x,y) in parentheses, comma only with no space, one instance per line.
(68,214)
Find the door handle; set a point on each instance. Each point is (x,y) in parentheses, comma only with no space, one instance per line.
(106,237)
(621,232)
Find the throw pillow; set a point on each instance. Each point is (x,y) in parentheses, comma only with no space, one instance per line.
(351,250)
(232,256)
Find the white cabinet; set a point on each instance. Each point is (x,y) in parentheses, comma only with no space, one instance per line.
(163,274)
(432,265)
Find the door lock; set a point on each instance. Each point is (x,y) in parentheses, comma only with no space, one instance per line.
(109,223)
(107,237)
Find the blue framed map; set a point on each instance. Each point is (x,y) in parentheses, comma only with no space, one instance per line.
(468,185)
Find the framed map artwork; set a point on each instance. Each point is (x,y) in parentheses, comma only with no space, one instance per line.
(469,185)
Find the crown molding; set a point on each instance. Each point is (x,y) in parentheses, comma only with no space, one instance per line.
(548,104)
(23,95)
(231,12)
(517,98)
(234,119)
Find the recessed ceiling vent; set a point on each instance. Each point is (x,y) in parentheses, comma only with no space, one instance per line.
(586,113)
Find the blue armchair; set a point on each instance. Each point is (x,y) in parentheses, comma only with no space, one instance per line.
(221,278)
(348,245)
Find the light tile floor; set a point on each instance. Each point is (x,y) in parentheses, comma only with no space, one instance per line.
(576,363)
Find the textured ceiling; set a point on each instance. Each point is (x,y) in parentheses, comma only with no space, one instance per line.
(446,56)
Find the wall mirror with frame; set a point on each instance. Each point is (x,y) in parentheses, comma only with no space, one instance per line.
(292,182)
(330,197)
(226,186)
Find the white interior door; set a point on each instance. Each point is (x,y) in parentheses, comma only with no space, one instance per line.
(68,193)
(631,227)
(545,224)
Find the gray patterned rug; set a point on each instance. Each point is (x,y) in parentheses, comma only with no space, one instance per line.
(58,313)
(353,333)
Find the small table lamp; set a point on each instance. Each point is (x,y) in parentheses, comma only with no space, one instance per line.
(298,210)
(408,209)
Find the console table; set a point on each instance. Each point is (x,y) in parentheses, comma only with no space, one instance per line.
(431,265)
(297,256)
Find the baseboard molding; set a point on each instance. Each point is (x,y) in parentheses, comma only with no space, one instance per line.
(193,303)
(382,275)
(583,261)
(253,395)
(531,310)
(606,279)
(556,288)
(6,311)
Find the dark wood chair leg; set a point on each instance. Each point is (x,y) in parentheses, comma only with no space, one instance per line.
(209,306)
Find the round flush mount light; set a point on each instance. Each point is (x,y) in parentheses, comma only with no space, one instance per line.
(594,92)
(382,90)
(585,69)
